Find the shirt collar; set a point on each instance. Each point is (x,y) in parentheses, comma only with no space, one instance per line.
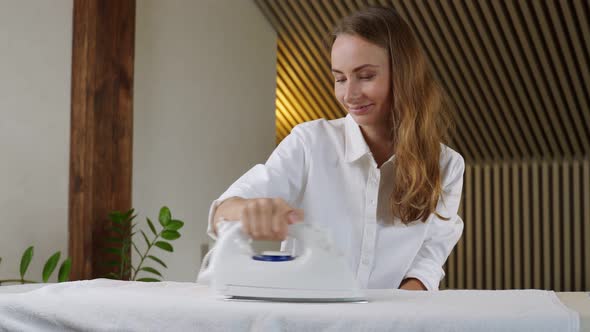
(355,147)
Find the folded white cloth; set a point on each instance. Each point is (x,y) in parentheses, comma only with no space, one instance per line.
(108,305)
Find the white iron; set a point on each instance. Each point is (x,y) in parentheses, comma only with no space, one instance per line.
(319,274)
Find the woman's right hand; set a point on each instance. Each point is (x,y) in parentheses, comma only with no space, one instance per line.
(268,218)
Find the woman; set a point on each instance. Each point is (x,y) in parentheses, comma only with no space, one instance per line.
(379,179)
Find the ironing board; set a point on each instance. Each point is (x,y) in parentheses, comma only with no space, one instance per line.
(579,302)
(176,305)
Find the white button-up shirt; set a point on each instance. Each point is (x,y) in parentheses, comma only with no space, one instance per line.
(327,169)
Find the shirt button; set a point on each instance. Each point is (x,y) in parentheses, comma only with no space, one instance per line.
(366,261)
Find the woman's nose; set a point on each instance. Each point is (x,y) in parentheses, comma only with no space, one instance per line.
(352,91)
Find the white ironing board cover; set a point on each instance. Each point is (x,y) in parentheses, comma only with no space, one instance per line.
(109,305)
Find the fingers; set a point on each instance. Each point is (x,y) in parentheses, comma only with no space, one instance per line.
(268,219)
(264,218)
(248,214)
(295,216)
(279,226)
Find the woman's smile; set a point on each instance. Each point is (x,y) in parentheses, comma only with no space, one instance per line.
(360,110)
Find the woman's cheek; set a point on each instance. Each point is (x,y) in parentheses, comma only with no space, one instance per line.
(338,93)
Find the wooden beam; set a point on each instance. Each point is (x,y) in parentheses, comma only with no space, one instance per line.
(101,126)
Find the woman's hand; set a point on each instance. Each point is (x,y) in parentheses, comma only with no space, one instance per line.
(262,218)
(412,284)
(268,218)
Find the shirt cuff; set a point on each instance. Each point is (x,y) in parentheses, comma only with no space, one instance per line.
(429,273)
(212,209)
(242,192)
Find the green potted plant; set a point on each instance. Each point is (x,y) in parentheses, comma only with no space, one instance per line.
(123,243)
(120,246)
(48,268)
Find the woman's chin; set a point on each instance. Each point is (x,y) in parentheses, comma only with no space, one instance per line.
(365,119)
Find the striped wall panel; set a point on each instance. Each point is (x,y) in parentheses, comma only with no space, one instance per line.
(527,225)
(516,70)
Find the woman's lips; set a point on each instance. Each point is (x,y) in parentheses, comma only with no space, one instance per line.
(360,110)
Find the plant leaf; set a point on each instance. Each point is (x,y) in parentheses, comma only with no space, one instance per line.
(117,230)
(116,251)
(113,239)
(64,271)
(148,280)
(136,249)
(50,266)
(156,259)
(112,275)
(152,226)
(170,235)
(110,263)
(116,217)
(150,270)
(164,216)
(147,242)
(174,225)
(25,261)
(164,246)
(127,214)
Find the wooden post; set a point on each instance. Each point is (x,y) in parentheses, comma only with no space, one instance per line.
(101,126)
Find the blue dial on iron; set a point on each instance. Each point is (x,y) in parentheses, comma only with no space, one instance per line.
(273,256)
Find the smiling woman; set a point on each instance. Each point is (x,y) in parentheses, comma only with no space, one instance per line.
(380,179)
(362,85)
(389,89)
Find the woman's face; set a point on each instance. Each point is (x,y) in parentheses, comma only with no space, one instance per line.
(362,80)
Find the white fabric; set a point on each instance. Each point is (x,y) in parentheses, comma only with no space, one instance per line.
(107,305)
(327,169)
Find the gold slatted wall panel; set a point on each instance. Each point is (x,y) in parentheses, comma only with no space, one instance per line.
(526,226)
(517,72)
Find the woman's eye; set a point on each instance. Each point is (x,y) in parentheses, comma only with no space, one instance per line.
(367,77)
(340,80)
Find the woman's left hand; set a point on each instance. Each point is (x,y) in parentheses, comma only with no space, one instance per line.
(412,284)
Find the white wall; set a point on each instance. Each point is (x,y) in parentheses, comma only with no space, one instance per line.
(35,65)
(203,110)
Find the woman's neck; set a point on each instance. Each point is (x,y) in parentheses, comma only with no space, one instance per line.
(379,142)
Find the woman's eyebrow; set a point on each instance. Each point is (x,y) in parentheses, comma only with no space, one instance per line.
(334,70)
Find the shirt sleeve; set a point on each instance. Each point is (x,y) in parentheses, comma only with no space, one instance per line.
(442,235)
(282,176)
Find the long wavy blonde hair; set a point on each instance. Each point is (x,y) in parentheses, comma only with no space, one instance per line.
(420,117)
